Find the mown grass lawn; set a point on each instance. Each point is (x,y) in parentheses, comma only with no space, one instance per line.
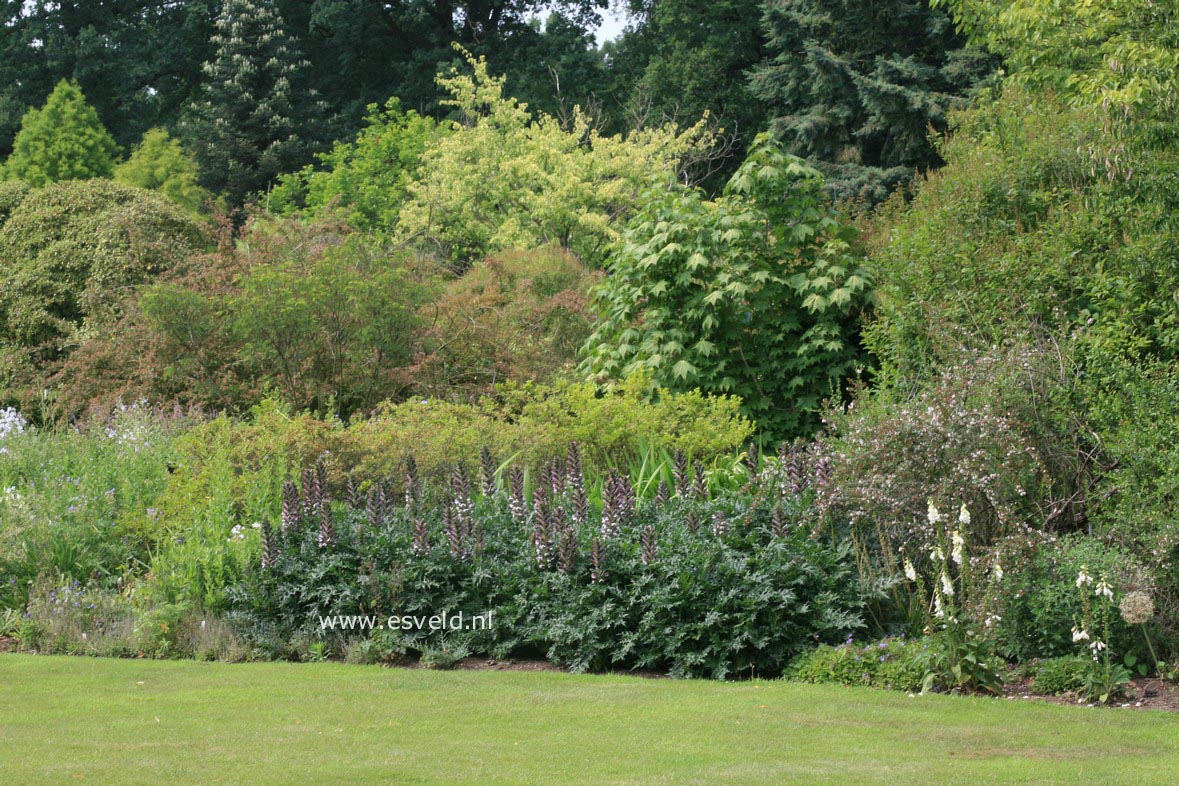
(71,720)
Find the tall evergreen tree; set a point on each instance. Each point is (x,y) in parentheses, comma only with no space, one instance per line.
(682,58)
(856,86)
(255,117)
(63,140)
(159,164)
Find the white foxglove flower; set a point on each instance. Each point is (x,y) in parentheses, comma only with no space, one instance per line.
(938,611)
(910,571)
(1103,589)
(963,515)
(958,544)
(1080,635)
(997,572)
(937,555)
(947,586)
(932,514)
(1083,578)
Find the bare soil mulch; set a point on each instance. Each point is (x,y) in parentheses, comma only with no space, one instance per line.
(1141,694)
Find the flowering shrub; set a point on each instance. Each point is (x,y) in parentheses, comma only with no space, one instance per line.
(81,503)
(1106,677)
(1039,603)
(889,456)
(963,658)
(681,581)
(11,422)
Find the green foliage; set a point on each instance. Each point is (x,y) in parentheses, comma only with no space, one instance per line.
(73,252)
(136,60)
(63,140)
(1054,676)
(506,179)
(756,295)
(82,504)
(957,604)
(1120,53)
(1041,219)
(367,178)
(535,422)
(1039,604)
(959,436)
(226,474)
(12,193)
(325,330)
(739,603)
(308,309)
(857,87)
(158,163)
(519,316)
(254,117)
(681,60)
(892,663)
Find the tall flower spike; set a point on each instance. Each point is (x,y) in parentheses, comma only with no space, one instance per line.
(373,509)
(351,493)
(327,528)
(700,485)
(720,524)
(580,502)
(957,546)
(778,521)
(269,547)
(597,560)
(421,537)
(794,473)
(486,473)
(573,462)
(567,550)
(541,527)
(516,501)
(648,544)
(451,528)
(662,494)
(752,460)
(307,480)
(413,484)
(291,503)
(823,474)
(556,476)
(680,473)
(464,509)
(611,504)
(321,479)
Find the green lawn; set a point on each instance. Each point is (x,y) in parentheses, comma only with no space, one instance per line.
(71,720)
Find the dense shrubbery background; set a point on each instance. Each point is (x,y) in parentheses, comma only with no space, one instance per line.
(977,372)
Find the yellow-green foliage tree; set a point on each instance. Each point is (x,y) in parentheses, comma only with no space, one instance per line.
(158,163)
(365,178)
(1113,53)
(505,178)
(63,140)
